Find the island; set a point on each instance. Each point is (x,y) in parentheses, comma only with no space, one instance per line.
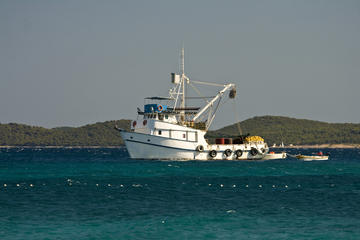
(296,133)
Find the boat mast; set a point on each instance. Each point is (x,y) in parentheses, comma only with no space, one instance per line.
(183,79)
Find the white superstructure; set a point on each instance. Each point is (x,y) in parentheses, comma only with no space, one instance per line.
(176,131)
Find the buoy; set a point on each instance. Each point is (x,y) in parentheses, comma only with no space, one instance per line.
(231,211)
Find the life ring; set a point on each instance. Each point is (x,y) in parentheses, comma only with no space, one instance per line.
(144,122)
(254,151)
(238,153)
(200,148)
(160,108)
(134,123)
(212,153)
(227,152)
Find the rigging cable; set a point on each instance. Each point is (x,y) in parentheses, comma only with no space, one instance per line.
(237,117)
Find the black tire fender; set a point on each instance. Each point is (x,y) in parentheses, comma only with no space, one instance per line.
(200,148)
(227,152)
(238,153)
(212,153)
(254,151)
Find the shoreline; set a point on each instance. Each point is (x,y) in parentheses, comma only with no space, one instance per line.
(67,147)
(323,146)
(122,146)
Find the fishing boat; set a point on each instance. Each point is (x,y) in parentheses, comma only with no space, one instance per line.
(168,128)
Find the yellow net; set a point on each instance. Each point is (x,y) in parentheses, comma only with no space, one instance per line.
(254,139)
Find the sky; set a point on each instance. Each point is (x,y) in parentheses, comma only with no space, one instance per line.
(71,63)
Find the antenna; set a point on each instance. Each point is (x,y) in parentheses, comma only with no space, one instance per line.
(182,61)
(183,79)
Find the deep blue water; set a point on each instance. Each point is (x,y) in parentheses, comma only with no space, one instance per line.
(102,194)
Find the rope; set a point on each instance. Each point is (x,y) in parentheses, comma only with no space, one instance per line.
(198,92)
(237,117)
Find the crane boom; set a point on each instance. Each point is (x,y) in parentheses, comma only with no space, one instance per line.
(227,87)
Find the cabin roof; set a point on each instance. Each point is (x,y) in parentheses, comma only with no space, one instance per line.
(159,98)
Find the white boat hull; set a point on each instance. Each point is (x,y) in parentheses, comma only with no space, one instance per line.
(147,146)
(273,156)
(312,158)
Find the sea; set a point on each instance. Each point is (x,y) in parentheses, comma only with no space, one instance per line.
(100,193)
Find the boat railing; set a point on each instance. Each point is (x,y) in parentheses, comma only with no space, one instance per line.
(196,125)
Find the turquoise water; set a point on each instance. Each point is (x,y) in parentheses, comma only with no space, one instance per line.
(102,194)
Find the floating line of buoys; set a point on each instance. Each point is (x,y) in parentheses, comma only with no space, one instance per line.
(70,182)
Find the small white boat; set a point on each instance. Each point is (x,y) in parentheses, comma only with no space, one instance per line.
(273,155)
(318,157)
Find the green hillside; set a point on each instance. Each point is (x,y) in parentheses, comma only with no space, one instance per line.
(98,134)
(294,131)
(273,129)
